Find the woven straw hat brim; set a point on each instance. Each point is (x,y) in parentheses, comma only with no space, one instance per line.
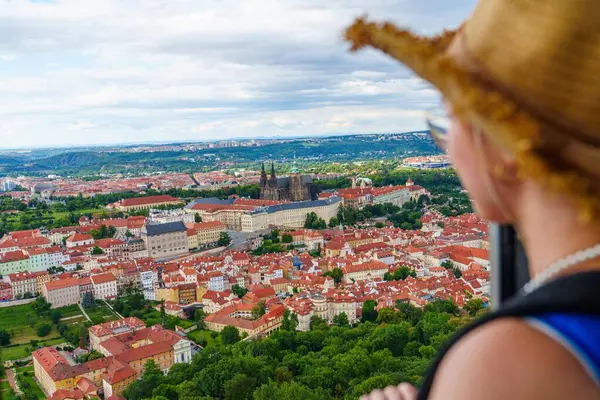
(504,121)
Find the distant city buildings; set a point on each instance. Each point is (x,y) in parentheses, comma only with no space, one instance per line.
(143,203)
(307,272)
(245,215)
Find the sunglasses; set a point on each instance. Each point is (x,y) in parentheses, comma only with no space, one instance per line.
(438,122)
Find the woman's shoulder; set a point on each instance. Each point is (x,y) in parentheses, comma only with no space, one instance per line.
(510,358)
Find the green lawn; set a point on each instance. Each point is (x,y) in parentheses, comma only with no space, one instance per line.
(80,319)
(197,334)
(22,351)
(101,310)
(35,388)
(5,389)
(29,378)
(28,368)
(70,311)
(21,322)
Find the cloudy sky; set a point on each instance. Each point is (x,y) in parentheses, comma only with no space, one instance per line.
(110,71)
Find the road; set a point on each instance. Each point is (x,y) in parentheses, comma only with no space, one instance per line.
(112,309)
(83,311)
(16,302)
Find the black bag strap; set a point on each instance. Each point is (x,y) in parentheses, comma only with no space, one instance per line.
(573,294)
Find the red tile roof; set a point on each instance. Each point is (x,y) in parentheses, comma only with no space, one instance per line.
(103,278)
(79,237)
(139,201)
(62,283)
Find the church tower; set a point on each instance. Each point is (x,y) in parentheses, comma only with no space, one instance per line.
(273,178)
(263,177)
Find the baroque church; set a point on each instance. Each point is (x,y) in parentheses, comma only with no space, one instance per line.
(295,187)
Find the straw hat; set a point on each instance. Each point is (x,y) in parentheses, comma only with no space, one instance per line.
(527,72)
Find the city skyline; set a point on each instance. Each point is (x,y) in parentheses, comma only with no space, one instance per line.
(112,72)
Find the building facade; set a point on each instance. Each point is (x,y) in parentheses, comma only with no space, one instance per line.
(62,293)
(105,286)
(165,240)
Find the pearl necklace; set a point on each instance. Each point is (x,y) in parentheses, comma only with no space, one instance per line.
(560,265)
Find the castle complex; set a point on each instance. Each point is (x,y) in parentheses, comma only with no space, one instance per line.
(295,187)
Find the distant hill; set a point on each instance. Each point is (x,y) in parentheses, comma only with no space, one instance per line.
(89,161)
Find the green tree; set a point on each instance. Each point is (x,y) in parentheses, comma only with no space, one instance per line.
(239,291)
(290,321)
(136,301)
(4,337)
(151,378)
(259,310)
(165,391)
(333,222)
(230,335)
(379,225)
(387,315)
(318,323)
(239,387)
(224,239)
(283,374)
(473,306)
(448,264)
(88,300)
(457,273)
(40,305)
(44,329)
(199,316)
(442,306)
(288,391)
(341,320)
(337,274)
(197,218)
(287,238)
(56,316)
(404,272)
(97,250)
(369,312)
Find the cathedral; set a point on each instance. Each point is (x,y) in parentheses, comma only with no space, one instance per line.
(295,187)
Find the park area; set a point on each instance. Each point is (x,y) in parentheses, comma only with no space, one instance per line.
(25,377)
(100,313)
(28,330)
(205,337)
(136,306)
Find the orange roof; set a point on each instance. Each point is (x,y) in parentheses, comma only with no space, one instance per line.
(103,278)
(208,225)
(107,328)
(139,201)
(7,244)
(142,352)
(372,265)
(62,283)
(118,371)
(79,237)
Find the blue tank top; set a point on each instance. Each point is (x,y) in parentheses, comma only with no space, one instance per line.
(578,333)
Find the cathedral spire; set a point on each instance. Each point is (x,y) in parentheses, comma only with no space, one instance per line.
(273,178)
(263,176)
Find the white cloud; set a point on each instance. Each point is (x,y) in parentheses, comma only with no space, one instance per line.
(143,70)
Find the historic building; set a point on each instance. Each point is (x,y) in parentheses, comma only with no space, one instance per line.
(295,187)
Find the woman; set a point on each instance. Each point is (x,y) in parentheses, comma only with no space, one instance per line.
(521,82)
